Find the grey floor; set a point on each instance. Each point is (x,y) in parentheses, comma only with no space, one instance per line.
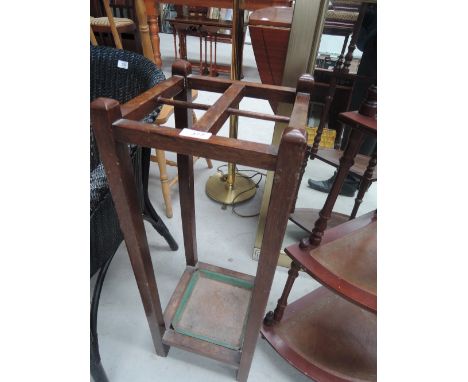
(224,239)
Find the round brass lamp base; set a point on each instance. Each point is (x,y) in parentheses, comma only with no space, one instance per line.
(217,189)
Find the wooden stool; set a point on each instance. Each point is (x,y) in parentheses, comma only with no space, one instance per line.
(215,312)
(331,334)
(160,158)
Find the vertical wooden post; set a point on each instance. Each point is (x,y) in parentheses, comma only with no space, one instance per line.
(114,155)
(153,14)
(183,119)
(283,300)
(346,162)
(364,185)
(352,43)
(324,116)
(291,154)
(110,17)
(369,109)
(144,30)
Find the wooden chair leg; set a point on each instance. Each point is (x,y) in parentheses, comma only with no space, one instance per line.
(166,190)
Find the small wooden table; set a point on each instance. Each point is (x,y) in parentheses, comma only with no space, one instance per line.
(215,312)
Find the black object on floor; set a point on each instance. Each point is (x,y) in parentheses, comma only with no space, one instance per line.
(349,187)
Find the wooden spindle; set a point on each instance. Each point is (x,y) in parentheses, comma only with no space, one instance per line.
(352,43)
(153,14)
(364,185)
(277,315)
(324,117)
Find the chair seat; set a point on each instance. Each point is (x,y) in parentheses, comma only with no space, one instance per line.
(345,16)
(101,24)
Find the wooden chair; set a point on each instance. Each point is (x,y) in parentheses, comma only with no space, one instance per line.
(116,18)
(330,334)
(215,312)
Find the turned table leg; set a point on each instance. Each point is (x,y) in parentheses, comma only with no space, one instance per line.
(276,316)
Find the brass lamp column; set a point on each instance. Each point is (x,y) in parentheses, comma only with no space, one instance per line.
(230,188)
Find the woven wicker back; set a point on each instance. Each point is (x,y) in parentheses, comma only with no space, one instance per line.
(110,78)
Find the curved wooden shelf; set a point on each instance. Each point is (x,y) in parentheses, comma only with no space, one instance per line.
(305,218)
(346,260)
(332,157)
(327,338)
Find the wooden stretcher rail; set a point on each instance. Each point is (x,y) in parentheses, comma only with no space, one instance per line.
(140,106)
(217,114)
(252,89)
(245,153)
(240,113)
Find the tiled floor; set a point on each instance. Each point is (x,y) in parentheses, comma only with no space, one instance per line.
(224,239)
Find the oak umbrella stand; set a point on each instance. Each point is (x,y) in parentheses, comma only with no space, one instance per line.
(213,311)
(330,334)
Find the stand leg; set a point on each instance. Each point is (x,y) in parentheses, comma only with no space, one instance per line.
(346,162)
(114,155)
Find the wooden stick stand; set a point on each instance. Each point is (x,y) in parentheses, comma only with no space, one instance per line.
(222,325)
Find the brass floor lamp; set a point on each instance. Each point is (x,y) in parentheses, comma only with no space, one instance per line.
(230,188)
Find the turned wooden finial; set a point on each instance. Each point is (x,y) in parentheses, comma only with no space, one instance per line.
(305,83)
(181,68)
(369,106)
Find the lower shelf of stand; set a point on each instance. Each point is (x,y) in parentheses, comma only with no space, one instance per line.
(327,338)
(346,260)
(332,157)
(207,312)
(305,218)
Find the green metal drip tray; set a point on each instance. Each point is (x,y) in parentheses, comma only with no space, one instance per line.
(214,308)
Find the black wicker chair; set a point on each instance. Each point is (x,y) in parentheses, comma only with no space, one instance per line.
(110,80)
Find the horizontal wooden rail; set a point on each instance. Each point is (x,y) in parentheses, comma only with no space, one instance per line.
(217,114)
(252,89)
(240,113)
(140,106)
(230,150)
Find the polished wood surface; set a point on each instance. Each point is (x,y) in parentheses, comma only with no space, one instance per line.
(113,133)
(279,17)
(269,31)
(327,338)
(346,260)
